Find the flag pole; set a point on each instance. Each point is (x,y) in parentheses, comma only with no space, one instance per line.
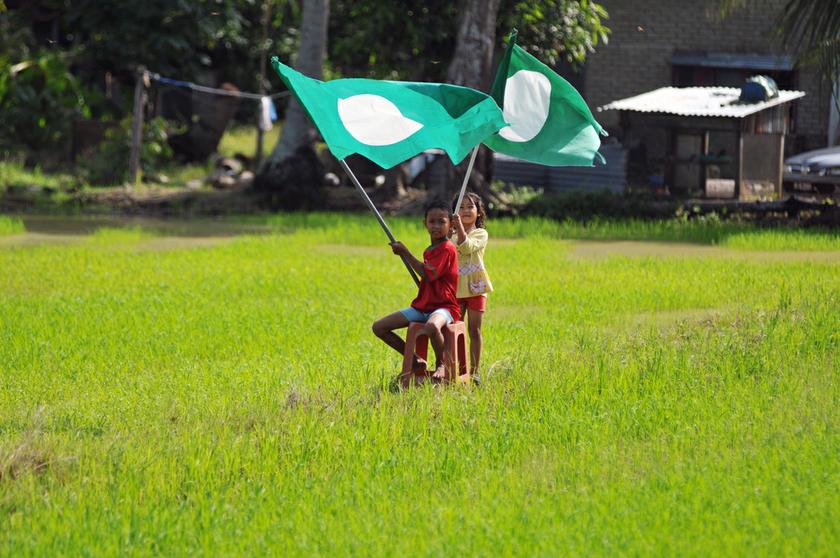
(466,178)
(378,216)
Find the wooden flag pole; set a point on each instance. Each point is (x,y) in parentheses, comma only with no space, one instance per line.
(378,216)
(466,179)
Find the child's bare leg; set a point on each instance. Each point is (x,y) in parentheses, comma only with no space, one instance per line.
(384,329)
(434,325)
(475,318)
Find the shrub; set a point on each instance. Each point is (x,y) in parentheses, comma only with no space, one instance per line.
(109,164)
(582,206)
(39,98)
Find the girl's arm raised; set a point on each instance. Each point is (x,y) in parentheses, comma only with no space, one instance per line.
(476,240)
(460,233)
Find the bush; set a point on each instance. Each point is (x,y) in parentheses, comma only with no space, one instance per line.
(583,206)
(109,164)
(39,98)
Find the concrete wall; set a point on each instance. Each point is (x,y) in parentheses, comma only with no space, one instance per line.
(645,34)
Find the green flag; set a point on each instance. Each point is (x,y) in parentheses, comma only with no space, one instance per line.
(549,120)
(390,121)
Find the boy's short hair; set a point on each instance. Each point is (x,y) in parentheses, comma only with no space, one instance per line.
(435,203)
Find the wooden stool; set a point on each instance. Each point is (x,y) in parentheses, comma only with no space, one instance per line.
(454,352)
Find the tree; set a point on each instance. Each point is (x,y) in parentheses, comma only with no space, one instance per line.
(414,39)
(553,30)
(471,66)
(550,29)
(409,40)
(310,61)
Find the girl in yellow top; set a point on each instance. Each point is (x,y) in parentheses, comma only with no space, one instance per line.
(473,281)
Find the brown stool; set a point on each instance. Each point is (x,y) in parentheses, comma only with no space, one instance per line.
(454,352)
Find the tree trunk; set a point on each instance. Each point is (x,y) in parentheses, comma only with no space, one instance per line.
(474,43)
(471,66)
(310,61)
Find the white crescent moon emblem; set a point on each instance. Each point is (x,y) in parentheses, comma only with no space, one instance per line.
(527,98)
(374,120)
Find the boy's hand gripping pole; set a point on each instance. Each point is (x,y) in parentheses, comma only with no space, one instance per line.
(378,216)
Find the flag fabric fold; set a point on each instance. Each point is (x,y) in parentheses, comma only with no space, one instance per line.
(549,122)
(390,121)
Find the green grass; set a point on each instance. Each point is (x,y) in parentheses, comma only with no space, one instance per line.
(230,399)
(785,240)
(10,225)
(13,173)
(363,229)
(243,139)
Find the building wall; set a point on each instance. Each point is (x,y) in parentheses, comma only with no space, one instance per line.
(646,33)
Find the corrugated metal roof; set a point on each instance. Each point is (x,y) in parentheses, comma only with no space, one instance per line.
(698,101)
(558,179)
(736,61)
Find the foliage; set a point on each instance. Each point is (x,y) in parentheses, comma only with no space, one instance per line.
(166,35)
(86,42)
(14,173)
(604,204)
(415,40)
(204,40)
(109,164)
(555,30)
(39,99)
(394,40)
(226,396)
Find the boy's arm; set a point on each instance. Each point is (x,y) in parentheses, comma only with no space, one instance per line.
(419,267)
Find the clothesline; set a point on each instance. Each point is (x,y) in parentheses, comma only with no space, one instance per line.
(212,90)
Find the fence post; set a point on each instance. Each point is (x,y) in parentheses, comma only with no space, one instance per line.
(137,124)
(259,154)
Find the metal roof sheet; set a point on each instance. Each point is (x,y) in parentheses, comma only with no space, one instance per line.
(765,62)
(559,179)
(699,101)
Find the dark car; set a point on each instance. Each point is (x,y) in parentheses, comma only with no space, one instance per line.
(814,171)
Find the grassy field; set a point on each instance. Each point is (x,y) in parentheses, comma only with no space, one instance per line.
(166,392)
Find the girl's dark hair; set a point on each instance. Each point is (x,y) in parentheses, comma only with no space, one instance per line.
(479,206)
(435,203)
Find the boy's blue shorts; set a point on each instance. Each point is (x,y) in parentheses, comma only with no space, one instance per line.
(414,315)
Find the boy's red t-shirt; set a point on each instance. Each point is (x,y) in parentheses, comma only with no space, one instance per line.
(438,291)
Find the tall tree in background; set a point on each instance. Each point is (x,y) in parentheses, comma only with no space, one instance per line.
(310,61)
(475,42)
(471,66)
(551,29)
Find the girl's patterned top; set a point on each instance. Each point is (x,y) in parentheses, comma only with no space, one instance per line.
(472,276)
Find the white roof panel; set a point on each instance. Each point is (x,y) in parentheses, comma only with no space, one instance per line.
(699,101)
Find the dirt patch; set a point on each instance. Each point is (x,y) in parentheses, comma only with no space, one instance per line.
(165,243)
(349,250)
(669,318)
(37,239)
(83,225)
(155,244)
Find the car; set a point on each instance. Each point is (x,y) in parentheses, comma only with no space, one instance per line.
(815,171)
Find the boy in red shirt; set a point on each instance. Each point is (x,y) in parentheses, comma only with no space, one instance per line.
(436,303)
